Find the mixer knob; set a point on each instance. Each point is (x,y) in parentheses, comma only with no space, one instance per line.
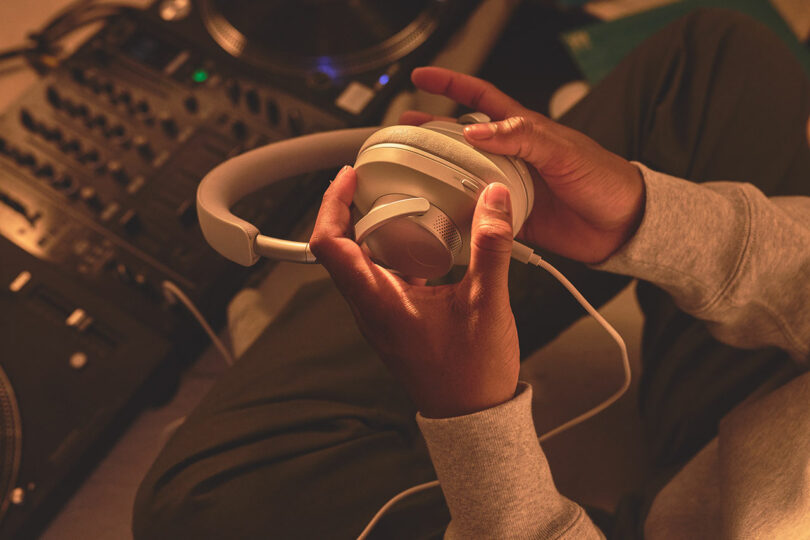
(192,104)
(252,101)
(99,120)
(70,146)
(79,75)
(62,181)
(124,97)
(115,131)
(91,156)
(45,171)
(169,126)
(26,159)
(142,106)
(143,147)
(117,172)
(234,91)
(271,111)
(52,95)
(27,120)
(90,197)
(239,130)
(54,134)
(123,273)
(295,122)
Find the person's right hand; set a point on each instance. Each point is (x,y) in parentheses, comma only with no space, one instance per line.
(588,201)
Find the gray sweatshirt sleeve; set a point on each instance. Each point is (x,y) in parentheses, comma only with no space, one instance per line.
(495,476)
(727,254)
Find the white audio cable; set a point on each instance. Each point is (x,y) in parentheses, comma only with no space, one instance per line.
(526,255)
(173,294)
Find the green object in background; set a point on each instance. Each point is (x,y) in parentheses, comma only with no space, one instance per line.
(598,48)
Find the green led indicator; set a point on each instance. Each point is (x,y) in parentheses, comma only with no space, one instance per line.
(199,75)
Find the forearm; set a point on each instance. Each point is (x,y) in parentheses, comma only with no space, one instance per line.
(728,255)
(495,476)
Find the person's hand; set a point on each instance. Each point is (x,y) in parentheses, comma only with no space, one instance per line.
(588,201)
(454,347)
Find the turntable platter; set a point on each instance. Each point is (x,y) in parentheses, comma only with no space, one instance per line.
(10,442)
(335,37)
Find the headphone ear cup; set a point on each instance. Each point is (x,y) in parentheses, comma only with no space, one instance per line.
(445,140)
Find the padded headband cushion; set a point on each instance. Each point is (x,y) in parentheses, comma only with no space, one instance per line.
(443,146)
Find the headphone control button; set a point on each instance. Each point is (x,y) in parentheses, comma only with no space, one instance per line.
(470,185)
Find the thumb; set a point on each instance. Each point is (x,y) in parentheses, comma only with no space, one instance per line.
(491,239)
(534,139)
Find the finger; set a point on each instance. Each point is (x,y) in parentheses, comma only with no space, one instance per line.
(330,241)
(416,281)
(534,140)
(491,241)
(417,118)
(470,91)
(334,216)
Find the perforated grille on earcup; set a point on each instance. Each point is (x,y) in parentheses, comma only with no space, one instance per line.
(446,231)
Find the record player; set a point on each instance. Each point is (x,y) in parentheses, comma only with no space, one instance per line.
(347,58)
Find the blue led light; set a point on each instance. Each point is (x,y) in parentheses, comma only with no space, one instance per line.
(383,80)
(324,65)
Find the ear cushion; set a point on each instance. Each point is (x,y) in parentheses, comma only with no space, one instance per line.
(442,146)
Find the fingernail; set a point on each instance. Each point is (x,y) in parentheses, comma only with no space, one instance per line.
(481,131)
(344,169)
(497,198)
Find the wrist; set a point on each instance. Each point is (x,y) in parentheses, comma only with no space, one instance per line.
(466,402)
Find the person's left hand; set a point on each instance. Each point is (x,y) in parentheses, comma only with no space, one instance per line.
(453,347)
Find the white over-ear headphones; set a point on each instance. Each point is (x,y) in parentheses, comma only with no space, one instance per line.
(416,189)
